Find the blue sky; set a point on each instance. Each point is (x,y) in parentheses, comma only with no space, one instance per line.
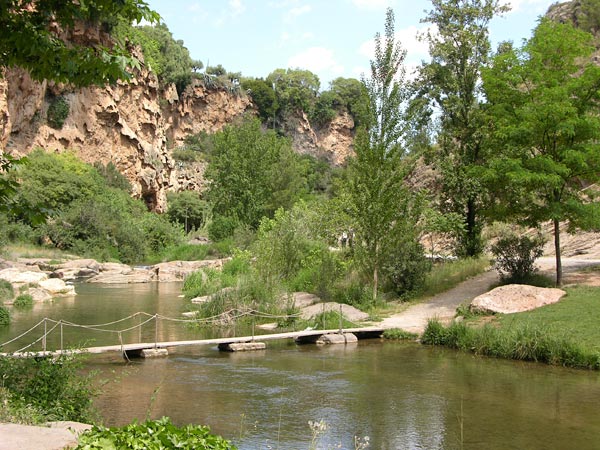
(332,38)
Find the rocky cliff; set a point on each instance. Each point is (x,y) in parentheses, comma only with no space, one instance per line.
(133,125)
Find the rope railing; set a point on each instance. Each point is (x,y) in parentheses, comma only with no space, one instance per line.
(230,315)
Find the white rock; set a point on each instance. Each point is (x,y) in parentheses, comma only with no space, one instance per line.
(515,298)
(14,275)
(56,286)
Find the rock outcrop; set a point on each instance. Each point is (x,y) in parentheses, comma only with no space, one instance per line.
(515,298)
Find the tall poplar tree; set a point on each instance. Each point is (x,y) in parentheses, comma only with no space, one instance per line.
(545,107)
(459,48)
(383,209)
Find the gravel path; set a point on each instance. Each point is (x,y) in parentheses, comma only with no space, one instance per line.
(442,306)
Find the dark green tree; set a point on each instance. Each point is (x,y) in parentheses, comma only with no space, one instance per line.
(30,37)
(383,210)
(263,96)
(252,173)
(188,209)
(296,90)
(451,82)
(545,107)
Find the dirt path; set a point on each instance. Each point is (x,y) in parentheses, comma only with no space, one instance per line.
(443,306)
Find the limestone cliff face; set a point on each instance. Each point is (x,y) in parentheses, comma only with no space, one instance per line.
(334,142)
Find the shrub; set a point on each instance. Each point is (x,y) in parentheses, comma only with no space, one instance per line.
(222,227)
(185,154)
(202,282)
(406,267)
(23,301)
(516,255)
(58,111)
(398,334)
(153,435)
(53,386)
(4,316)
(6,291)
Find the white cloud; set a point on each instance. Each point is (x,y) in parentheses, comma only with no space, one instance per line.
(237,7)
(373,4)
(316,59)
(530,6)
(416,49)
(297,11)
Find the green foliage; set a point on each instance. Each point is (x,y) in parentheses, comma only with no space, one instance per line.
(184,154)
(202,282)
(165,56)
(12,412)
(446,275)
(383,210)
(23,301)
(222,227)
(263,96)
(6,291)
(296,90)
(112,176)
(26,40)
(188,209)
(152,435)
(252,173)
(399,335)
(53,386)
(58,111)
(329,320)
(406,267)
(459,49)
(4,316)
(516,255)
(549,132)
(526,342)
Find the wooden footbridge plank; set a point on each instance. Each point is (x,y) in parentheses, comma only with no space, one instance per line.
(360,332)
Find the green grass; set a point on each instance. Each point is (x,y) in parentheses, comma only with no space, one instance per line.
(6,291)
(399,335)
(193,252)
(23,301)
(565,333)
(575,317)
(447,275)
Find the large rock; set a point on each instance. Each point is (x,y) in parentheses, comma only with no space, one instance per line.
(57,287)
(178,270)
(17,276)
(124,275)
(349,312)
(515,298)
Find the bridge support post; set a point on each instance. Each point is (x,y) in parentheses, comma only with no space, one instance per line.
(61,335)
(155,331)
(341,322)
(44,337)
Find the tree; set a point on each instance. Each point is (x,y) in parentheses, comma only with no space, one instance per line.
(188,209)
(252,173)
(296,90)
(451,82)
(545,104)
(33,36)
(382,208)
(263,96)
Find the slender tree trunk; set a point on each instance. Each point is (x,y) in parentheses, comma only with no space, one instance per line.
(557,252)
(471,243)
(376,272)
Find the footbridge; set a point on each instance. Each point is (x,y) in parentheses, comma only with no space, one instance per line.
(39,336)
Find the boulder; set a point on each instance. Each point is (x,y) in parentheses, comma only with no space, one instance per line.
(57,287)
(124,276)
(178,270)
(16,276)
(39,294)
(349,312)
(515,298)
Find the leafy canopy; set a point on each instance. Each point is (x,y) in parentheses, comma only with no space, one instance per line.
(31,36)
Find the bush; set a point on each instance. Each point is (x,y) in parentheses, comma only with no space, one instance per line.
(188,209)
(406,268)
(398,334)
(184,154)
(153,435)
(23,301)
(4,316)
(58,111)
(222,227)
(6,291)
(53,386)
(516,255)
(202,282)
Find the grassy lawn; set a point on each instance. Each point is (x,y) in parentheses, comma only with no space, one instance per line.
(576,317)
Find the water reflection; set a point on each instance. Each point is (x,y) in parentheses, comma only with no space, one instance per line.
(400,395)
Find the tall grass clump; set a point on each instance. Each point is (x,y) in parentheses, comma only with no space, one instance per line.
(447,275)
(524,342)
(6,291)
(4,316)
(23,301)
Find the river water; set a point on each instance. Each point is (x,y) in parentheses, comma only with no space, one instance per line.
(400,395)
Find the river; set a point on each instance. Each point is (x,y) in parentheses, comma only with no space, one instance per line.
(400,395)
